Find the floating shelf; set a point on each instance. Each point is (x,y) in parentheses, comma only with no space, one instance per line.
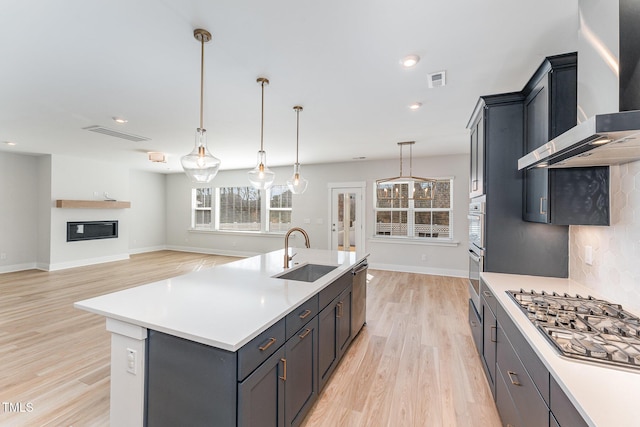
(92,204)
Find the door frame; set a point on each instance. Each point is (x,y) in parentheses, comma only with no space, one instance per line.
(359,188)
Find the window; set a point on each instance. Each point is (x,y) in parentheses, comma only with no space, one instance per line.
(242,209)
(400,211)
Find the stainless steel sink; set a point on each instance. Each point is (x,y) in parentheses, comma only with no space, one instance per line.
(307,272)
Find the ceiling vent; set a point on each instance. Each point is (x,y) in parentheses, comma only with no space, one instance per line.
(116,134)
(436,79)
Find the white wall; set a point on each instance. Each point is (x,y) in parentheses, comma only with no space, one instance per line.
(147,215)
(313,205)
(44,212)
(82,179)
(18,211)
(615,273)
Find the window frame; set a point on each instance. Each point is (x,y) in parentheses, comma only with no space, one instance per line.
(411,211)
(214,225)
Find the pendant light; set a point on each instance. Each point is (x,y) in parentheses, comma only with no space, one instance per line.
(424,188)
(297,184)
(200,165)
(261,176)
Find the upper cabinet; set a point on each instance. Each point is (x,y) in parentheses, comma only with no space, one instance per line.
(572,196)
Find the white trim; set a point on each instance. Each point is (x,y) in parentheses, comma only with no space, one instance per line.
(278,234)
(424,241)
(147,249)
(420,270)
(352,184)
(88,261)
(19,267)
(212,251)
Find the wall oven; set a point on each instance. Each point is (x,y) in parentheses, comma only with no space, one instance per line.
(476,219)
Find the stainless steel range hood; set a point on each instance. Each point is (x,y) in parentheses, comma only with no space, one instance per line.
(608,80)
(604,139)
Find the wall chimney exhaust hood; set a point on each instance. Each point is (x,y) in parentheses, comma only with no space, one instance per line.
(608,80)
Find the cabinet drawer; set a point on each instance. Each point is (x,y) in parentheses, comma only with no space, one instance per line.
(301,316)
(260,348)
(488,296)
(562,409)
(534,366)
(532,409)
(329,293)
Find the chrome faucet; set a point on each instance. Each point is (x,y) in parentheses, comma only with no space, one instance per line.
(288,258)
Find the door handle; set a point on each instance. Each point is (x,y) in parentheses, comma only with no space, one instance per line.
(267,345)
(305,314)
(284,369)
(304,334)
(493,328)
(339,306)
(513,375)
(542,211)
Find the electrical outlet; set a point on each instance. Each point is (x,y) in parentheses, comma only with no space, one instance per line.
(588,255)
(132,361)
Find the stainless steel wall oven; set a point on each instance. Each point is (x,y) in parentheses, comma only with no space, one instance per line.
(476,219)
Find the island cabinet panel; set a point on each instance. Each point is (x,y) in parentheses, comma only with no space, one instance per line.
(301,315)
(301,383)
(329,294)
(475,323)
(261,395)
(189,383)
(489,339)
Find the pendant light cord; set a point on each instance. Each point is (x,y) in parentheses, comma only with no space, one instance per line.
(262,118)
(201,82)
(297,108)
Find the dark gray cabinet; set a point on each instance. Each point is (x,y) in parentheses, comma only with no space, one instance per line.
(572,196)
(489,336)
(563,413)
(301,374)
(273,380)
(475,323)
(476,176)
(334,334)
(261,395)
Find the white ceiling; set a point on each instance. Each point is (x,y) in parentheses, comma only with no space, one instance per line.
(69,64)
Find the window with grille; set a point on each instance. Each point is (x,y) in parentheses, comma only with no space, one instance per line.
(403,211)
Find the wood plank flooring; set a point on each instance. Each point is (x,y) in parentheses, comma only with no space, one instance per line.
(414,364)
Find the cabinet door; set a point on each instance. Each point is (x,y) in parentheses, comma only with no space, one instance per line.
(476,184)
(506,408)
(343,315)
(489,328)
(261,394)
(327,343)
(476,326)
(301,384)
(536,182)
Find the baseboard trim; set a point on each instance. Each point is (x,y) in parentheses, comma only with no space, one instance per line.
(420,270)
(18,267)
(88,261)
(213,251)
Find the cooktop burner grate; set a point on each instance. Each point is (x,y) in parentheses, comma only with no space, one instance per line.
(584,328)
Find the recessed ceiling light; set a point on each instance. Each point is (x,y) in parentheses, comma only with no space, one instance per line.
(415,105)
(410,61)
(10,143)
(120,120)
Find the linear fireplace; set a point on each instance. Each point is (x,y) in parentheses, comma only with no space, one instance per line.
(91,230)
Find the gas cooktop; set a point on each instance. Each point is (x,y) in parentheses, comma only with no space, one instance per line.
(584,328)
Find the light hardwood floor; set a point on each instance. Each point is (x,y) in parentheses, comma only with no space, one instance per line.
(414,363)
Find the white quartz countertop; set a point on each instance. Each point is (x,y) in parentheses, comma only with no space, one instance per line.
(224,306)
(604,395)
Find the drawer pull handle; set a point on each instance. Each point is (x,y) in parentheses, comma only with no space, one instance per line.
(305,314)
(473,324)
(339,310)
(284,369)
(513,375)
(267,345)
(542,212)
(487,294)
(305,333)
(494,328)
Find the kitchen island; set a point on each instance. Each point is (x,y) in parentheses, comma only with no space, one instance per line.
(163,333)
(602,395)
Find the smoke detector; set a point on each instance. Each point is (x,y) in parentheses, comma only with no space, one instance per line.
(436,79)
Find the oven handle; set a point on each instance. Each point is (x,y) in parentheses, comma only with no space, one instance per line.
(474,256)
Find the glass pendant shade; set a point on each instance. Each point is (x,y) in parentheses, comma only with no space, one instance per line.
(261,176)
(297,183)
(200,165)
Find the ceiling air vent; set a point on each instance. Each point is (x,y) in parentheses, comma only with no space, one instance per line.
(116,133)
(436,79)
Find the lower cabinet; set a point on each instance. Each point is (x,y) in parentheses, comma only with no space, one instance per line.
(334,334)
(272,381)
(489,339)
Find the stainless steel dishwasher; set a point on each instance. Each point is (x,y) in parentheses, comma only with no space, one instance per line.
(359,295)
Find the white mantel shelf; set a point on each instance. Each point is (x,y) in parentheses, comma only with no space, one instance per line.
(92,204)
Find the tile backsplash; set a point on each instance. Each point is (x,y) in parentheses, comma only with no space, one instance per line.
(615,272)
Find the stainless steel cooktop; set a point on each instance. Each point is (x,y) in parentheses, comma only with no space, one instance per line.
(584,328)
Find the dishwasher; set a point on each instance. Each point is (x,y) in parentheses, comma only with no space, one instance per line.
(359,297)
